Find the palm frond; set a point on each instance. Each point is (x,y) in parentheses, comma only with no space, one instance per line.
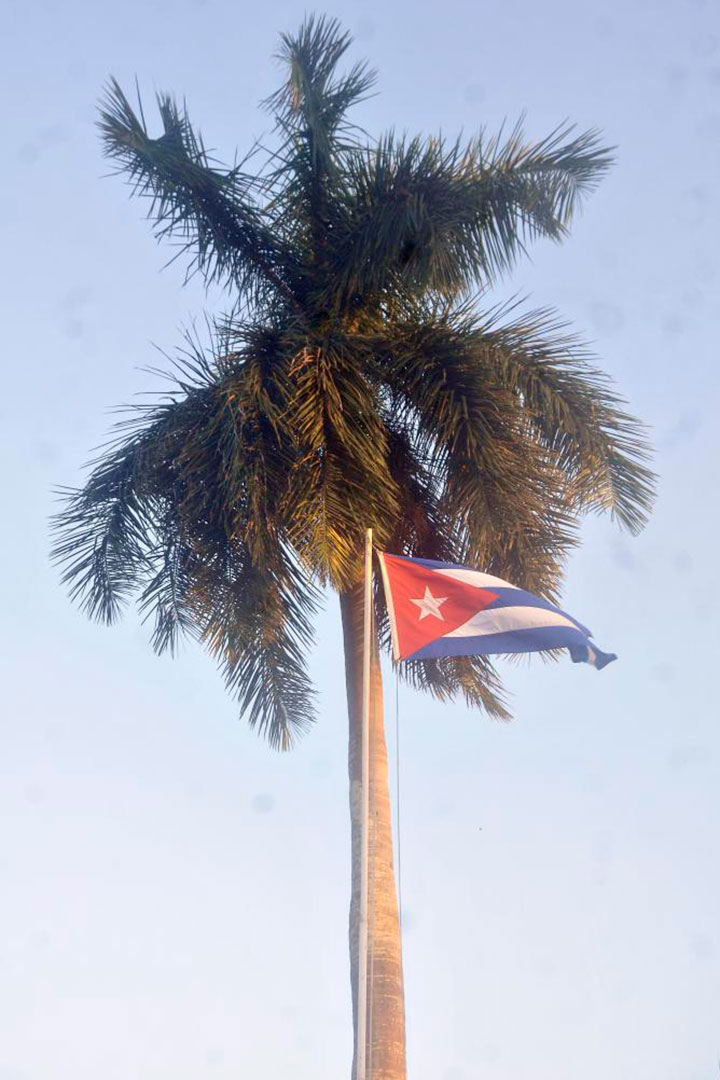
(103,538)
(315,98)
(184,514)
(500,487)
(471,678)
(257,622)
(334,413)
(599,447)
(210,211)
(166,595)
(447,217)
(310,114)
(524,190)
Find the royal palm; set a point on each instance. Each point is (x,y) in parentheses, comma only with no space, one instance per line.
(358,381)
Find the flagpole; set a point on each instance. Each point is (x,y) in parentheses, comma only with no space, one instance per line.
(362,1071)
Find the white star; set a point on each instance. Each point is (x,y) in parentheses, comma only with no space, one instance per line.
(430,605)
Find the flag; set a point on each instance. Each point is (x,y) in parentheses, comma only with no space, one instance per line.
(440,609)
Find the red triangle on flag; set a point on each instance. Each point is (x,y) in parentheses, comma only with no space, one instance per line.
(428,604)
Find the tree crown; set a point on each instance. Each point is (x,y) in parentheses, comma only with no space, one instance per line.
(355,382)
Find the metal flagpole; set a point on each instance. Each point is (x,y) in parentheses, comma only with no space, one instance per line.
(362,1072)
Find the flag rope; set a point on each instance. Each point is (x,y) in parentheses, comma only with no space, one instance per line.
(372,828)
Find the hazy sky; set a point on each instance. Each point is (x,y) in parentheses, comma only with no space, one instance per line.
(173,895)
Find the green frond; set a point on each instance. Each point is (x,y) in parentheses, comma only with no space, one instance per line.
(423,524)
(257,622)
(209,211)
(402,194)
(166,595)
(471,678)
(526,190)
(185,515)
(310,113)
(600,449)
(431,215)
(343,483)
(500,487)
(102,539)
(315,97)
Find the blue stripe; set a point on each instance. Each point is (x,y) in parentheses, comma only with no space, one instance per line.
(535,639)
(432,564)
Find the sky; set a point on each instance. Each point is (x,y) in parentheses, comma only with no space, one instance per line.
(173,897)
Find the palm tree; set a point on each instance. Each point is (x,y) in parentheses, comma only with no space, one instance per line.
(357,381)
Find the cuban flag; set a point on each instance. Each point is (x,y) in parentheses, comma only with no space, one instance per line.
(440,609)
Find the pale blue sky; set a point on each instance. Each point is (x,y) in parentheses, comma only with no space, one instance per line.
(173,900)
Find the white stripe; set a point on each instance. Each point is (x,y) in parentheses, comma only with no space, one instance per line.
(499,620)
(476,578)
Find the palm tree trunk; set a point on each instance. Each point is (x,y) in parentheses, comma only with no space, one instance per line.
(386,1023)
